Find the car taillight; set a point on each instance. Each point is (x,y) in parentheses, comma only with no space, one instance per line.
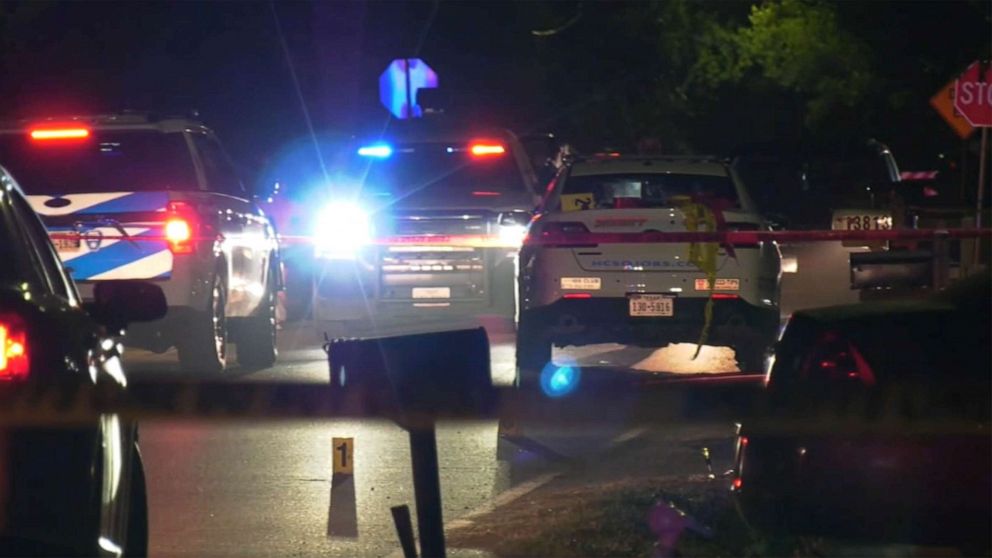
(14,360)
(179,228)
(835,358)
(556,234)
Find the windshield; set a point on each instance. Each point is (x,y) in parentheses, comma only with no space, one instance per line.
(651,189)
(106,161)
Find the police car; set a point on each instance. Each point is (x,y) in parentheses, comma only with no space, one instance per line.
(133,196)
(585,292)
(425,222)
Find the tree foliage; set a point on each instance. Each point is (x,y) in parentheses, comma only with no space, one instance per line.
(797,45)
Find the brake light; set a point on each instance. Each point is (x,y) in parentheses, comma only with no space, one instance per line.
(725,296)
(44,134)
(179,227)
(582,296)
(486,194)
(486,149)
(14,361)
(837,359)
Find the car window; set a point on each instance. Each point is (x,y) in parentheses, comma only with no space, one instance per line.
(106,161)
(611,191)
(40,247)
(217,168)
(21,263)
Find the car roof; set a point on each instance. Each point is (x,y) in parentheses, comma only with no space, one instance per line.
(639,165)
(434,130)
(113,121)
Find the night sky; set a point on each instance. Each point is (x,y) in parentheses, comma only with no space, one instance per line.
(229,61)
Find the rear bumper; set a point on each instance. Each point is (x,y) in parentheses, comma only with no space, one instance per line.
(187,287)
(356,290)
(600,320)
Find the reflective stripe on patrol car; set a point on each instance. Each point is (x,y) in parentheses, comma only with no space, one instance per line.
(144,255)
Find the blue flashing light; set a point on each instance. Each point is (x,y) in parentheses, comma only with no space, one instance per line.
(559,381)
(379,151)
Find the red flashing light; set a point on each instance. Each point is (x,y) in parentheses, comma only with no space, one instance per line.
(744,441)
(738,483)
(581,296)
(486,149)
(48,134)
(14,360)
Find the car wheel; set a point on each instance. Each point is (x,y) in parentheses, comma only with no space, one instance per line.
(533,353)
(256,341)
(136,545)
(204,347)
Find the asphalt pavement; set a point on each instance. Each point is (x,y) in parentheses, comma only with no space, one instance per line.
(267,488)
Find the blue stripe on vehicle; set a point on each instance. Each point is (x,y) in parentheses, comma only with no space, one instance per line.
(137,201)
(116,255)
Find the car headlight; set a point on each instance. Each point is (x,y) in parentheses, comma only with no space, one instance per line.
(341,229)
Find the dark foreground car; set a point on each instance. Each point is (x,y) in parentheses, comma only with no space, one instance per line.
(878,423)
(78,491)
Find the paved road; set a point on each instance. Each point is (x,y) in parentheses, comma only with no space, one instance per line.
(265,489)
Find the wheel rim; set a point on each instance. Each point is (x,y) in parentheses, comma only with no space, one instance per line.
(219,321)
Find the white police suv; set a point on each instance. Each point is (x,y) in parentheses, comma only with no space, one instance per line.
(132,196)
(578,286)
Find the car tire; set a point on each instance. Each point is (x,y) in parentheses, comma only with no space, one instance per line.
(204,347)
(533,353)
(136,545)
(256,342)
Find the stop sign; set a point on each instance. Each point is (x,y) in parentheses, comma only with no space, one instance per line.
(973,95)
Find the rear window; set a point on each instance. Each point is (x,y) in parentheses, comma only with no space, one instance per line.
(103,162)
(611,191)
(439,169)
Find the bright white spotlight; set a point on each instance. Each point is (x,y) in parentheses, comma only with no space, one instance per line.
(341,229)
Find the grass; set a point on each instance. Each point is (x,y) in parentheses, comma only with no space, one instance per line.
(613,520)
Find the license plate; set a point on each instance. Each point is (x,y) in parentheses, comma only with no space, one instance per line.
(432,292)
(582,283)
(861,221)
(66,243)
(722,284)
(651,305)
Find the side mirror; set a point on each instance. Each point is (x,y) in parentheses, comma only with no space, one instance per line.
(118,303)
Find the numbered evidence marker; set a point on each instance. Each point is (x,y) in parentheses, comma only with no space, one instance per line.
(577,202)
(344,456)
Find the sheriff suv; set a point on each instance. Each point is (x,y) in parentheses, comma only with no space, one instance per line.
(578,286)
(133,196)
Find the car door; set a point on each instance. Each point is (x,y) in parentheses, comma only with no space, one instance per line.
(87,352)
(248,239)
